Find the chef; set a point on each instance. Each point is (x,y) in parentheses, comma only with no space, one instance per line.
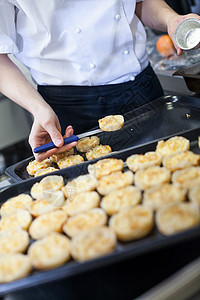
(87,57)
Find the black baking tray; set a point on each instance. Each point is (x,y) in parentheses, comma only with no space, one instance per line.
(123,251)
(191,75)
(168,115)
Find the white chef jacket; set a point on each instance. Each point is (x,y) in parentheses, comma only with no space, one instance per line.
(74,42)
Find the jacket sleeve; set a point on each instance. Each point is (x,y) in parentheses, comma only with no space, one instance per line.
(7,28)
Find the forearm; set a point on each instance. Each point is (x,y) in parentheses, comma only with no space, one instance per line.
(15,86)
(155,14)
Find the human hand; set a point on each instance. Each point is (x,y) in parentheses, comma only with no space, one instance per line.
(177,19)
(46,128)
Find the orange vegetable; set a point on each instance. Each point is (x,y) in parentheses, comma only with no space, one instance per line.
(165,46)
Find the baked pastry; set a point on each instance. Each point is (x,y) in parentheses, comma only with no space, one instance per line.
(105,167)
(187,178)
(12,241)
(85,221)
(56,157)
(69,161)
(14,266)
(181,160)
(177,217)
(160,195)
(51,183)
(121,198)
(114,181)
(56,198)
(50,252)
(41,206)
(173,145)
(36,191)
(87,143)
(81,202)
(132,223)
(194,194)
(47,223)
(16,220)
(152,176)
(45,171)
(98,151)
(93,244)
(137,162)
(34,166)
(111,123)
(82,183)
(20,202)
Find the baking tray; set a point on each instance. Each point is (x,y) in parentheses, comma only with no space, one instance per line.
(191,76)
(168,115)
(123,251)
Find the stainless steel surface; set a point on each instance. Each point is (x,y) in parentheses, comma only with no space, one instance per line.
(89,133)
(181,286)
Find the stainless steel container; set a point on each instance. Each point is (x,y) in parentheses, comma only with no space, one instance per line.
(187,34)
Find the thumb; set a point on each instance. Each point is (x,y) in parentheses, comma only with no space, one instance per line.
(55,135)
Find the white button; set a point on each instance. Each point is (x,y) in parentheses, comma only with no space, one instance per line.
(92,66)
(117,17)
(132,78)
(78,30)
(126,52)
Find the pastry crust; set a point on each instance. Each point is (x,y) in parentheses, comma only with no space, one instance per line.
(87,143)
(132,223)
(56,157)
(34,166)
(121,198)
(194,195)
(14,266)
(187,178)
(181,160)
(98,151)
(47,223)
(80,184)
(137,162)
(20,202)
(177,217)
(160,195)
(70,161)
(105,167)
(114,181)
(85,221)
(19,219)
(111,123)
(50,252)
(173,145)
(45,171)
(48,184)
(41,206)
(152,176)
(93,244)
(13,241)
(81,202)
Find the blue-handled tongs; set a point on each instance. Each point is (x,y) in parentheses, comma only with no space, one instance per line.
(67,140)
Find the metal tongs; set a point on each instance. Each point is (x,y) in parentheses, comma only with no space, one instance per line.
(67,140)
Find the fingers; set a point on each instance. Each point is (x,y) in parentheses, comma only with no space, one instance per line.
(69,131)
(43,155)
